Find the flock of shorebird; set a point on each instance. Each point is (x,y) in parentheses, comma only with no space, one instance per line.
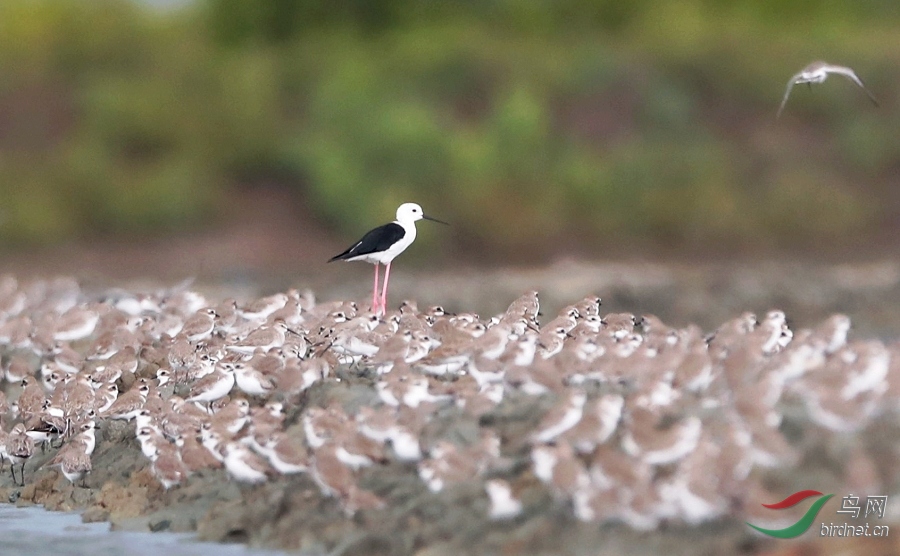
(631,420)
(643,422)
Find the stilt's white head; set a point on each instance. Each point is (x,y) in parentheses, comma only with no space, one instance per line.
(412,212)
(409,212)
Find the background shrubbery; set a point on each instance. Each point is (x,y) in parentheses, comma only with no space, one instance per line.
(523,122)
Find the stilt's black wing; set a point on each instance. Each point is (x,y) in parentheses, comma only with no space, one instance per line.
(377,240)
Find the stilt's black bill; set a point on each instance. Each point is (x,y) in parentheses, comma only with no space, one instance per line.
(426,217)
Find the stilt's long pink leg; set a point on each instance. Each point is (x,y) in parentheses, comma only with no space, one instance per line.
(387,273)
(375,291)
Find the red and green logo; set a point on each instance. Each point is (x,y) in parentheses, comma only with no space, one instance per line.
(804,523)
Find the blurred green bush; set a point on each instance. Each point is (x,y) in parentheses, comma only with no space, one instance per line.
(529,124)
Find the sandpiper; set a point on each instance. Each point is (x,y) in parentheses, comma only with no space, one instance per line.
(75,398)
(261,339)
(383,426)
(150,440)
(200,325)
(449,464)
(243,465)
(126,360)
(75,324)
(213,386)
(130,403)
(74,463)
(31,400)
(559,468)
(167,466)
(382,244)
(319,425)
(658,442)
(194,456)
(599,421)
(233,415)
(17,369)
(181,355)
(4,436)
(298,375)
(252,381)
(260,309)
(19,447)
(285,453)
(503,504)
(561,418)
(527,307)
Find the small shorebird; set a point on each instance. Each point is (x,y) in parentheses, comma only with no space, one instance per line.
(243,465)
(19,447)
(200,325)
(504,505)
(383,244)
(817,72)
(17,369)
(75,324)
(561,417)
(285,454)
(252,381)
(73,462)
(213,387)
(127,406)
(167,466)
(262,339)
(260,309)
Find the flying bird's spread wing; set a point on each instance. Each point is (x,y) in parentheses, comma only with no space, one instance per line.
(813,73)
(375,241)
(787,92)
(851,75)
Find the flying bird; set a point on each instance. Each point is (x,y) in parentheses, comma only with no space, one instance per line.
(817,72)
(382,244)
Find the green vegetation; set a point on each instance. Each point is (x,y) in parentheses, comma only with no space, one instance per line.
(640,121)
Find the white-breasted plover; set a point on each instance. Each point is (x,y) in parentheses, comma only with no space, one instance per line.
(19,448)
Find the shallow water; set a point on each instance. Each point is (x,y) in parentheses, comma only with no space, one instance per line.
(34,531)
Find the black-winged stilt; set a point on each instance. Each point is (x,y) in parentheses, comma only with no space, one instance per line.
(383,244)
(817,72)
